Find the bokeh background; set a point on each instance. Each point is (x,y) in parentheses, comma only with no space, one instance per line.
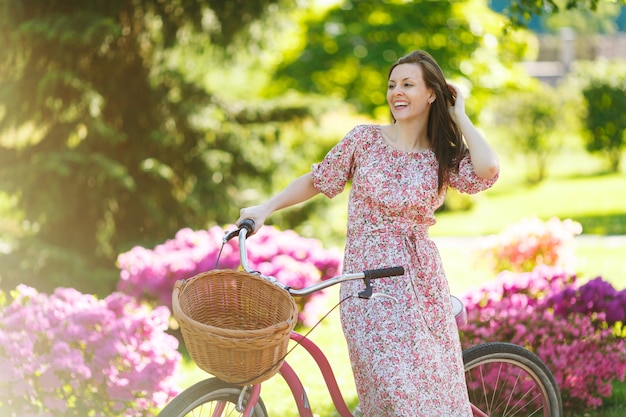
(122,122)
(133,131)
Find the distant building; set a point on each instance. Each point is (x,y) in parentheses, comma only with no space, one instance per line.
(558,51)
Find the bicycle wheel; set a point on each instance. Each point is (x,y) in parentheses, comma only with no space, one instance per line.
(210,397)
(506,380)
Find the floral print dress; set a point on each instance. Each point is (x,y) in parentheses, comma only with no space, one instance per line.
(405,351)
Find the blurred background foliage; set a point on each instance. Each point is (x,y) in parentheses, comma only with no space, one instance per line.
(123,121)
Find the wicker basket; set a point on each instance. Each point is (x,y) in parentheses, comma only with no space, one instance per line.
(235,325)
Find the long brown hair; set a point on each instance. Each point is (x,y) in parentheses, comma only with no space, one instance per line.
(445,136)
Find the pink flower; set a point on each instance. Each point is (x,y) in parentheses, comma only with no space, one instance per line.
(56,365)
(531,242)
(150,274)
(580,348)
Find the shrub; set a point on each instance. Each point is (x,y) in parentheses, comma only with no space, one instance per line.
(70,354)
(531,242)
(296,261)
(535,310)
(596,296)
(605,121)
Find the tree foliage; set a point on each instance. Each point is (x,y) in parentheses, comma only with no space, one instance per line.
(111,137)
(606,121)
(520,12)
(528,121)
(349,49)
(100,143)
(602,19)
(602,90)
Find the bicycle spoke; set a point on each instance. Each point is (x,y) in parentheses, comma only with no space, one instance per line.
(513,389)
(497,392)
(524,407)
(210,398)
(504,390)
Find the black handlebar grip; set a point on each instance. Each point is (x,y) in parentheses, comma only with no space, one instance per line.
(247,224)
(384,272)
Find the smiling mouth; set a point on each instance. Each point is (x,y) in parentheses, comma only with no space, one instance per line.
(400,105)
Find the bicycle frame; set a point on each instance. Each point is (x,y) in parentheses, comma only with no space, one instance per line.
(532,388)
(297,388)
(287,372)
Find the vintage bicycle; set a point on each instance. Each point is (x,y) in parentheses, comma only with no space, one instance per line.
(237,326)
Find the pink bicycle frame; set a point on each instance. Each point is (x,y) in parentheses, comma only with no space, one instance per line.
(297,389)
(288,374)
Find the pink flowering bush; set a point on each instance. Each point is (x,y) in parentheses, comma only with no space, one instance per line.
(70,354)
(296,261)
(541,310)
(522,246)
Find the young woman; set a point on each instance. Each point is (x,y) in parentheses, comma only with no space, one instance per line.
(404,349)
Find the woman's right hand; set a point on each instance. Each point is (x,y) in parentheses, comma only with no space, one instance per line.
(256,213)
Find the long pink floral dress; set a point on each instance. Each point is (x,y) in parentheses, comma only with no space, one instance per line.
(406,355)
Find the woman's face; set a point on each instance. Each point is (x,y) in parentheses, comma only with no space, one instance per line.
(407,94)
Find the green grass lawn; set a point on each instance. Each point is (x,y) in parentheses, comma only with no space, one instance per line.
(595,256)
(576,189)
(597,202)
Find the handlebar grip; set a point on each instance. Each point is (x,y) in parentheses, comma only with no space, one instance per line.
(384,272)
(247,224)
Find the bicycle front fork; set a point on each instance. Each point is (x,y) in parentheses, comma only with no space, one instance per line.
(247,409)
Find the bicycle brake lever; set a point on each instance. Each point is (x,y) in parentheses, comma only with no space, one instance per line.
(229,235)
(367,292)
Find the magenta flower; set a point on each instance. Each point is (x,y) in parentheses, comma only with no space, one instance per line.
(70,354)
(568,326)
(150,274)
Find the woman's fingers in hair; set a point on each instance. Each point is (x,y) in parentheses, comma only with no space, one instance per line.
(454,90)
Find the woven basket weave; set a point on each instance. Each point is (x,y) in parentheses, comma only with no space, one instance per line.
(235,325)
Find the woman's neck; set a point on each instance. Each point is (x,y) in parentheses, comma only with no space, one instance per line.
(408,137)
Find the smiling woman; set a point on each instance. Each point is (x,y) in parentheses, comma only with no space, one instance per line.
(400,173)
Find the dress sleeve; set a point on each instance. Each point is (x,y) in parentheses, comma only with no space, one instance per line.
(332,174)
(466,180)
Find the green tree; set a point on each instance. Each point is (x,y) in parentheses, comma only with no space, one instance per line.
(101,141)
(602,19)
(520,12)
(348,49)
(606,121)
(528,121)
(601,89)
(118,125)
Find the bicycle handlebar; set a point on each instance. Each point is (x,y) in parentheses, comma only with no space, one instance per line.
(384,272)
(246,228)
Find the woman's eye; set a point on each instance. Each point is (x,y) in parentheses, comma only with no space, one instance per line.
(407,84)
